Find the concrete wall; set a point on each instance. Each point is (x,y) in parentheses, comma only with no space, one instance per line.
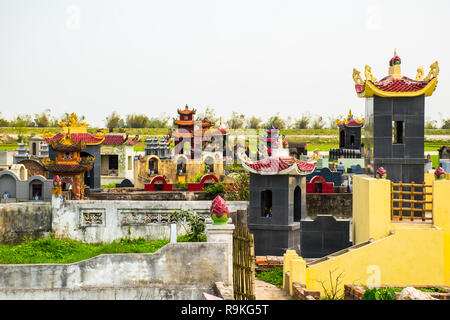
(140,194)
(404,253)
(31,219)
(106,221)
(21,189)
(176,271)
(371,208)
(7,157)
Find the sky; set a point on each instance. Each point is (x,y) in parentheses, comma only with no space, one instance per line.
(256,57)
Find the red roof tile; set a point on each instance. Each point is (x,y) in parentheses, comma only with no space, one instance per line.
(277,165)
(351,123)
(132,142)
(404,84)
(306,166)
(270,164)
(76,137)
(114,139)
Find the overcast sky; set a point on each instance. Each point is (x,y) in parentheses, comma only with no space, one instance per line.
(258,57)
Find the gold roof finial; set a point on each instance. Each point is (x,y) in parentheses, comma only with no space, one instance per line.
(395,52)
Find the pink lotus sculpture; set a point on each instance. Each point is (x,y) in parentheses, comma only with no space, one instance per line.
(219,211)
(440,173)
(381,173)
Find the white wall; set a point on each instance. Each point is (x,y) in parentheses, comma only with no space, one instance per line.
(112,220)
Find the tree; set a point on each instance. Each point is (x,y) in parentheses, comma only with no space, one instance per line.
(23,121)
(254,123)
(237,121)
(332,121)
(159,122)
(208,114)
(302,122)
(318,123)
(43,119)
(113,121)
(446,123)
(65,118)
(137,121)
(275,122)
(3,122)
(430,124)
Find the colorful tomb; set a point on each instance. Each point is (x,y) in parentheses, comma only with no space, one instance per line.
(189,139)
(70,165)
(79,134)
(395,117)
(349,137)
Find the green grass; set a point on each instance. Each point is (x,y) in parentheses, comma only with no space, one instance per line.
(52,250)
(139,148)
(109,185)
(9,147)
(273,276)
(435,160)
(321,147)
(188,238)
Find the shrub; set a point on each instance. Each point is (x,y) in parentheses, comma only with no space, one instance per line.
(198,177)
(379,294)
(215,189)
(273,276)
(181,185)
(240,190)
(192,224)
(109,186)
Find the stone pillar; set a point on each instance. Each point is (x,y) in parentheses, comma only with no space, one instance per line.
(297,273)
(223,234)
(57,201)
(287,257)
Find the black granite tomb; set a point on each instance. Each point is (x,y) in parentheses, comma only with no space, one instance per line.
(394,137)
(277,205)
(323,235)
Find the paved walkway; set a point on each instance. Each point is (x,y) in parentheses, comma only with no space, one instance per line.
(267,291)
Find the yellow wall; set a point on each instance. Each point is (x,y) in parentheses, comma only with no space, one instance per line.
(408,257)
(371,208)
(441,218)
(403,253)
(169,169)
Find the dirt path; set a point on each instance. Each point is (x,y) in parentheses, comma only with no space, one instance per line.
(267,291)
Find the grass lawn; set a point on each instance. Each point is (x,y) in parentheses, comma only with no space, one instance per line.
(51,250)
(321,147)
(273,276)
(9,147)
(435,160)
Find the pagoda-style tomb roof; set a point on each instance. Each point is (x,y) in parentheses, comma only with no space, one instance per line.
(116,139)
(279,165)
(72,168)
(395,84)
(73,164)
(350,121)
(78,133)
(87,138)
(186,111)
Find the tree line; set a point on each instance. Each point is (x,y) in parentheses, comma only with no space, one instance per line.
(236,121)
